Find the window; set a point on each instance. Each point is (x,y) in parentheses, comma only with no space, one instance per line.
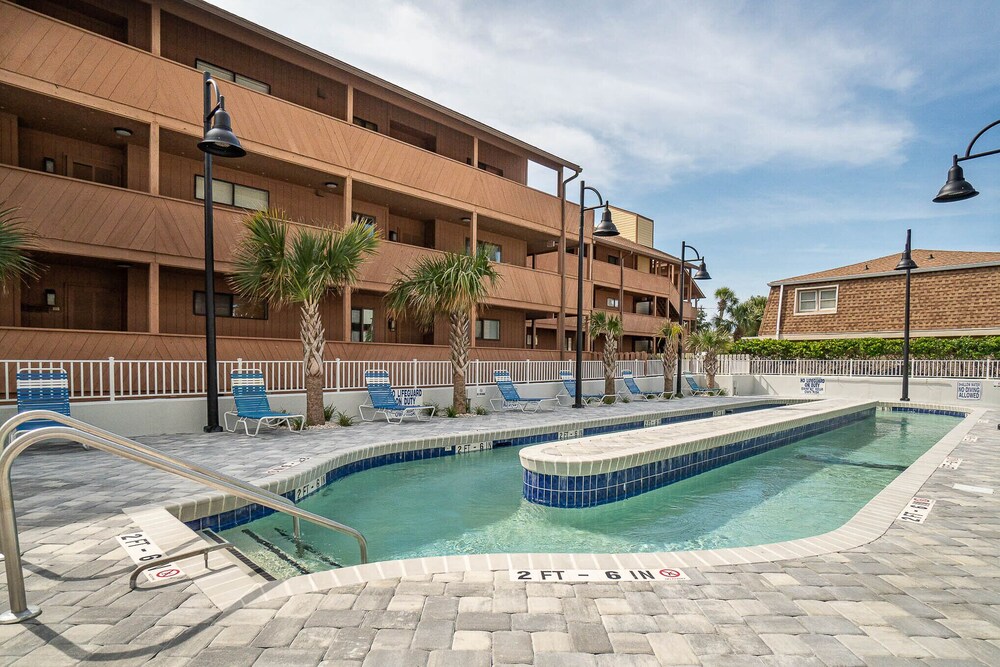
(493,251)
(224,192)
(226,75)
(614,259)
(488,329)
(643,346)
(529,340)
(362,325)
(819,300)
(231,305)
(365,220)
(613,302)
(490,168)
(367,124)
(644,307)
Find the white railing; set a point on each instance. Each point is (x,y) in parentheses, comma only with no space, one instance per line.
(116,379)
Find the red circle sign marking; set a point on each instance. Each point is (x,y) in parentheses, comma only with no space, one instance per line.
(672,574)
(170,572)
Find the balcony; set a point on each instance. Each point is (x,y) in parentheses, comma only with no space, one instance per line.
(634,324)
(610,275)
(106,74)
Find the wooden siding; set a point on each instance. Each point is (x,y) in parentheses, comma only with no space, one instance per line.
(123,80)
(610,275)
(34,146)
(8,139)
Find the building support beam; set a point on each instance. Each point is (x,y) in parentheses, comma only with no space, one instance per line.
(154,29)
(154,154)
(473,248)
(153,297)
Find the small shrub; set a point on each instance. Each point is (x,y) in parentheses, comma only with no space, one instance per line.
(344,419)
(451,411)
(480,410)
(329,411)
(626,399)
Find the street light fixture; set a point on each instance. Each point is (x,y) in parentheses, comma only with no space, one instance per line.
(605,228)
(957,188)
(701,274)
(907,264)
(218,140)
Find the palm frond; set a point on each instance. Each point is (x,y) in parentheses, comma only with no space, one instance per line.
(15,241)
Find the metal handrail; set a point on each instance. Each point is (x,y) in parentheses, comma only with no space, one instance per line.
(9,543)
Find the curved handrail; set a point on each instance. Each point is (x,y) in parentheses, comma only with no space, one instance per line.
(9,543)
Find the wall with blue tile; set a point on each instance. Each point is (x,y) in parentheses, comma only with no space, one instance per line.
(592,490)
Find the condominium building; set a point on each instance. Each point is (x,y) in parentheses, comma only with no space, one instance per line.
(100,114)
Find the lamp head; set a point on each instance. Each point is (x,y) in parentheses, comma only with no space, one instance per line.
(956,188)
(606,228)
(906,261)
(220,140)
(702,273)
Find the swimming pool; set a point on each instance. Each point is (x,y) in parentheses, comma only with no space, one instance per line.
(473,503)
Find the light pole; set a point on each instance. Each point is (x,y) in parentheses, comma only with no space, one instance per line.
(218,140)
(957,188)
(605,228)
(702,274)
(907,264)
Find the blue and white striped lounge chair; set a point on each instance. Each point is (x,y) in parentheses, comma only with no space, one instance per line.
(381,400)
(510,399)
(698,390)
(632,390)
(569,391)
(252,404)
(42,389)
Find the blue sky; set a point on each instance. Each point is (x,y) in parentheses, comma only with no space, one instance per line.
(779,138)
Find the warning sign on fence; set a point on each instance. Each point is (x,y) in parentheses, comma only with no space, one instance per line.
(812,386)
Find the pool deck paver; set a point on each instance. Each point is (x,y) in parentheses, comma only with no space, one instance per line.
(918,594)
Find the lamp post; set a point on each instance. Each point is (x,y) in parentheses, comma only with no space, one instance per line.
(218,140)
(957,188)
(605,228)
(906,263)
(702,274)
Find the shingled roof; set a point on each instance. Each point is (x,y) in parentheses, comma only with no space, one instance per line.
(925,259)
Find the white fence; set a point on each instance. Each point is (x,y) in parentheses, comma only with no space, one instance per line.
(115,379)
(744,364)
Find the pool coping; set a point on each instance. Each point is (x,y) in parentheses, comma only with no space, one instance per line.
(232,585)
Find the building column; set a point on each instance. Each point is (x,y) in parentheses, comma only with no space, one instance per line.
(153,297)
(154,151)
(475,152)
(348,200)
(349,111)
(561,316)
(154,32)
(473,247)
(345,334)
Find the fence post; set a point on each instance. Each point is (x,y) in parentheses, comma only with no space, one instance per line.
(336,379)
(239,363)
(414,373)
(111,379)
(527,370)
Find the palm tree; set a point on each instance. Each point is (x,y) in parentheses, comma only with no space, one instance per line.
(747,316)
(725,300)
(282,267)
(669,333)
(450,285)
(609,326)
(15,241)
(712,342)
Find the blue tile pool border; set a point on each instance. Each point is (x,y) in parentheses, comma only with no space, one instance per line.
(600,489)
(252,512)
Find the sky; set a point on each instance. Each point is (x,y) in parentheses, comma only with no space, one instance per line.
(777,138)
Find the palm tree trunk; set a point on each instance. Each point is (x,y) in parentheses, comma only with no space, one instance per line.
(610,362)
(312,334)
(711,366)
(458,340)
(669,371)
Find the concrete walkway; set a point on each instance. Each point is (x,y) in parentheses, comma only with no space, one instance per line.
(920,594)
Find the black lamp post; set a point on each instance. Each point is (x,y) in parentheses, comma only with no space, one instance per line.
(702,274)
(605,228)
(957,188)
(218,140)
(906,263)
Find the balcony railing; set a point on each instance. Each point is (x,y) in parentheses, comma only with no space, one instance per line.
(116,75)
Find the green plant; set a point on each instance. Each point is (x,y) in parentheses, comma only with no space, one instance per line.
(609,326)
(626,399)
(329,410)
(451,411)
(450,285)
(480,410)
(344,419)
(712,343)
(668,335)
(15,241)
(965,347)
(284,265)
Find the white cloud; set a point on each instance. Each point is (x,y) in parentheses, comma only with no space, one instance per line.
(634,92)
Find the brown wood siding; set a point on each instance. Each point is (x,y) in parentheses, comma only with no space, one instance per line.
(512,328)
(87,297)
(186,42)
(34,146)
(514,167)
(177,177)
(372,109)
(114,75)
(8,139)
(137,168)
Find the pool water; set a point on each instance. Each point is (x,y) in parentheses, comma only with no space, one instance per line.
(473,504)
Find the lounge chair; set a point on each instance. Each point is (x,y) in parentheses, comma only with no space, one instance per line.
(252,404)
(509,399)
(569,390)
(382,400)
(698,390)
(632,390)
(42,389)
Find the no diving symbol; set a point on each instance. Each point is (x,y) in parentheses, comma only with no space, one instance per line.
(670,574)
(169,572)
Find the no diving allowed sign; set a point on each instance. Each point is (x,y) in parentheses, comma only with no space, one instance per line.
(603,576)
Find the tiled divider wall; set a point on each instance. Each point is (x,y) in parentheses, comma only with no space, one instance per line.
(246,514)
(592,490)
(930,411)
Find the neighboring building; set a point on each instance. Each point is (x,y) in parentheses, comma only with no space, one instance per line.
(100,114)
(952,293)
